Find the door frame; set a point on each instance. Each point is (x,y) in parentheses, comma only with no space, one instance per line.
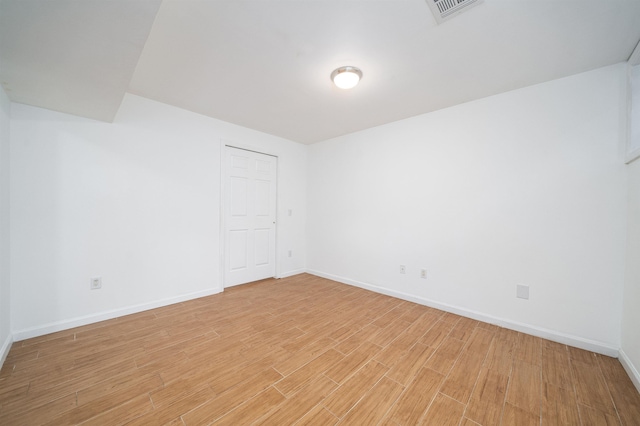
(224,143)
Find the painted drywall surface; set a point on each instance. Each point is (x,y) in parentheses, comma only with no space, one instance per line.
(634,125)
(630,345)
(527,187)
(5,306)
(631,312)
(136,202)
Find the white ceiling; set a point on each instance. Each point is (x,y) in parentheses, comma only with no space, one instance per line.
(73,56)
(265,64)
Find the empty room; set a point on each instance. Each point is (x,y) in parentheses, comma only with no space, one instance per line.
(319,212)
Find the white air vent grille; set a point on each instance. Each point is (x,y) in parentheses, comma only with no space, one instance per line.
(446,9)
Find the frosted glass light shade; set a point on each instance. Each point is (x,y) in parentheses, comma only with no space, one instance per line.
(346,77)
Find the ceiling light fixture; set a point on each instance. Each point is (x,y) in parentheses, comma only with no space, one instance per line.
(346,77)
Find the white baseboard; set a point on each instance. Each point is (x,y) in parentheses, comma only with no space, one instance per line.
(4,349)
(556,336)
(631,370)
(106,315)
(292,273)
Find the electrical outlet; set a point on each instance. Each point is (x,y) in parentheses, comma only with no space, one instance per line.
(290,253)
(423,273)
(96,283)
(403,269)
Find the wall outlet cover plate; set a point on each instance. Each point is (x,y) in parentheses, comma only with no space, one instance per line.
(522,291)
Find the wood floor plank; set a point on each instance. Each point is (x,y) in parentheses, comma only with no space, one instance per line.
(529,349)
(214,347)
(296,407)
(389,317)
(463,329)
(350,392)
(351,363)
(450,317)
(40,414)
(306,350)
(113,384)
(594,417)
(507,335)
(625,397)
(21,354)
(175,422)
(272,337)
(549,344)
(556,368)
(344,332)
(68,384)
(586,357)
(444,411)
(46,366)
(77,378)
(374,404)
(318,416)
(411,362)
(591,388)
(487,326)
(480,341)
(253,409)
(313,331)
(186,402)
(352,342)
(224,380)
(387,334)
(7,370)
(60,338)
(462,378)
(487,400)
(304,374)
(15,406)
(525,387)
(396,349)
(559,406)
(232,398)
(106,403)
(500,355)
(160,350)
(36,368)
(437,333)
(416,398)
(445,355)
(414,312)
(517,416)
(304,355)
(123,413)
(9,392)
(421,325)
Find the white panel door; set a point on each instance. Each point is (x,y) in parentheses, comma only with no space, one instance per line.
(249,216)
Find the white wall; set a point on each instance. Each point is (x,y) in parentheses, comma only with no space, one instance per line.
(136,202)
(5,305)
(631,313)
(630,347)
(527,187)
(634,113)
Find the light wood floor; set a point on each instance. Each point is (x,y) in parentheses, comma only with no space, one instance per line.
(308,351)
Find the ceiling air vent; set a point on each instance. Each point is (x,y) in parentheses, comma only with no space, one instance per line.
(447,9)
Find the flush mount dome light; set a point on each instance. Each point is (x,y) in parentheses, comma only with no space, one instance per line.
(346,77)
